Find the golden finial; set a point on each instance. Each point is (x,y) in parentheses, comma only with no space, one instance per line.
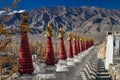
(49,30)
(84,38)
(61,33)
(75,37)
(87,39)
(24,25)
(80,38)
(69,36)
(24,18)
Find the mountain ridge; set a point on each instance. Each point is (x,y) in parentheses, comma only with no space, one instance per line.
(82,20)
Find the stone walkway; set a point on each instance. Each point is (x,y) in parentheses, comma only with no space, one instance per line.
(102,74)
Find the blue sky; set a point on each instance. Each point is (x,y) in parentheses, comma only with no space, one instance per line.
(32,4)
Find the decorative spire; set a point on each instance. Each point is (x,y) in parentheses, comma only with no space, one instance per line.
(69,49)
(75,45)
(75,37)
(81,44)
(78,45)
(49,31)
(24,18)
(24,25)
(62,63)
(80,37)
(25,59)
(62,52)
(85,42)
(61,33)
(69,36)
(50,58)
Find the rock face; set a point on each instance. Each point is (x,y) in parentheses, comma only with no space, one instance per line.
(84,19)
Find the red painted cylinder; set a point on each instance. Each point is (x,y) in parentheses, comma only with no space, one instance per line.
(80,43)
(75,48)
(69,50)
(25,60)
(62,52)
(78,46)
(49,57)
(86,44)
(83,45)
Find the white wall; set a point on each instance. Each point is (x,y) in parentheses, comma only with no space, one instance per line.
(109,51)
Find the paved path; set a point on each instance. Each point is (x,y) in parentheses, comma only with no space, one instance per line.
(102,74)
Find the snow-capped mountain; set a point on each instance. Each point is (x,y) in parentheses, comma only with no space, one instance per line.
(11,12)
(84,19)
(15,11)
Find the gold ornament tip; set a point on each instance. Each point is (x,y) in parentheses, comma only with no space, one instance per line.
(61,33)
(69,36)
(48,31)
(75,37)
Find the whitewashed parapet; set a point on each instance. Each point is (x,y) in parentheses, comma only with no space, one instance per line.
(109,51)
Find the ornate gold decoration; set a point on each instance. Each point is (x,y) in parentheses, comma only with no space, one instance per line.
(84,38)
(75,37)
(24,27)
(69,36)
(80,38)
(61,33)
(49,31)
